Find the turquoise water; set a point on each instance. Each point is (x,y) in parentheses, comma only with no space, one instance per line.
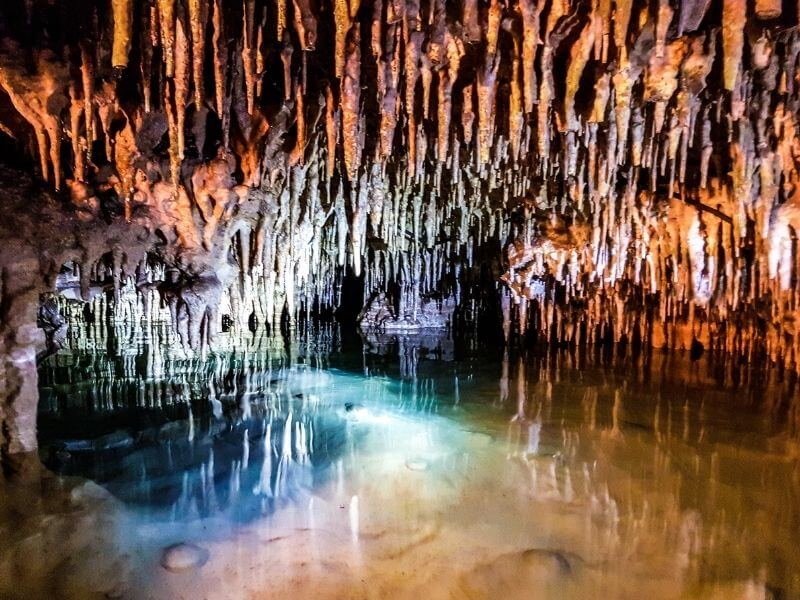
(391,467)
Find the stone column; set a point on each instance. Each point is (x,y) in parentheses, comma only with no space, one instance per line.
(19,339)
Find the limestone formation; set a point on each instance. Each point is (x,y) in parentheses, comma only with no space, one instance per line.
(622,170)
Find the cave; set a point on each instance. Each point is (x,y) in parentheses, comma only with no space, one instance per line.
(399,298)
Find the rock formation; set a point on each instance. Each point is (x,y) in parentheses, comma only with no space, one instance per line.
(635,162)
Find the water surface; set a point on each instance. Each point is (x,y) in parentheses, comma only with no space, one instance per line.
(420,467)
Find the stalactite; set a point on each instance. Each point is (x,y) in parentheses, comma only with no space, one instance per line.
(447,77)
(350,99)
(487,90)
(300,145)
(181,80)
(691,15)
(39,102)
(342,24)
(125,154)
(467,115)
(198,13)
(331,130)
(249,53)
(579,56)
(305,24)
(75,114)
(166,23)
(530,41)
(492,30)
(471,20)
(146,44)
(122,14)
(220,57)
(734,14)
(260,56)
(172,129)
(547,86)
(426,79)
(280,19)
(87,81)
(413,42)
(515,114)
(286,58)
(390,99)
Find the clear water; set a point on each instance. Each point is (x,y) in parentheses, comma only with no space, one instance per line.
(413,468)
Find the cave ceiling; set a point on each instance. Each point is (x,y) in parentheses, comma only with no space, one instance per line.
(623,169)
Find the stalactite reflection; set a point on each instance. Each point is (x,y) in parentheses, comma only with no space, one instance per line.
(565,471)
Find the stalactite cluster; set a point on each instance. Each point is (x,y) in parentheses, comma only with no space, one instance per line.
(636,162)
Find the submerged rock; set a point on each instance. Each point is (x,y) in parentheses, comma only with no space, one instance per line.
(183,556)
(116,439)
(414,313)
(353,411)
(417,464)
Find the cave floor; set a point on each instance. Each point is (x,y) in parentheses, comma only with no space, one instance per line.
(405,473)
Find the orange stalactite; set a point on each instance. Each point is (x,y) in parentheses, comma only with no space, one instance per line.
(198,13)
(612,145)
(350,102)
(122,14)
(220,53)
(181,81)
(166,23)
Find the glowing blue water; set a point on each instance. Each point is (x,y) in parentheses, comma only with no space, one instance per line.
(501,476)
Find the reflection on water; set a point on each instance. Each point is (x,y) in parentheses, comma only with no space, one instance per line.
(400,468)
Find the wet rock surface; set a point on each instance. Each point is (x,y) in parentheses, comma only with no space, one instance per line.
(183,557)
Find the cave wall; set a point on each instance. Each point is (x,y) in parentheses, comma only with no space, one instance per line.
(634,163)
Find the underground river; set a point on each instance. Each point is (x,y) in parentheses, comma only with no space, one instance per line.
(404,466)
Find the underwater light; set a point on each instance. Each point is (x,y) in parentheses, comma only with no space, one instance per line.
(358,413)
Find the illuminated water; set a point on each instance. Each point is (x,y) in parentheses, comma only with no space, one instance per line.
(316,471)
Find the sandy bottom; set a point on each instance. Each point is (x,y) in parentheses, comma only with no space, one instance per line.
(431,506)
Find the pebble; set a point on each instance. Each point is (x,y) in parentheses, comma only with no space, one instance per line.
(182,557)
(417,464)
